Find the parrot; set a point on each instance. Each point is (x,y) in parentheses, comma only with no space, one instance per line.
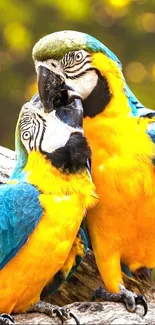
(121,134)
(42,206)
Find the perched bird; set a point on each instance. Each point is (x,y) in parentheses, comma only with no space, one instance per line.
(43,204)
(120,132)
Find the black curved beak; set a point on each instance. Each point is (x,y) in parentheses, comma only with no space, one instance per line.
(71,114)
(52,89)
(53,93)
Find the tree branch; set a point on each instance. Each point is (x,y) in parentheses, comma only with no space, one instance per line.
(7,162)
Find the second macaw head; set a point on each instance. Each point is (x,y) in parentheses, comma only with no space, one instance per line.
(83,67)
(45,130)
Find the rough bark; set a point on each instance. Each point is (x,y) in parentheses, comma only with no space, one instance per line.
(94,313)
(78,291)
(7,162)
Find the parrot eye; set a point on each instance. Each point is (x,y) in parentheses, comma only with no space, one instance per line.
(78,56)
(26,135)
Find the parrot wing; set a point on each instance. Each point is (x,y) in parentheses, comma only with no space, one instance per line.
(59,278)
(150,114)
(134,103)
(139,110)
(79,258)
(20,211)
(151,133)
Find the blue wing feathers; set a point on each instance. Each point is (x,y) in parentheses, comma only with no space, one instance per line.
(139,110)
(134,103)
(13,252)
(148,113)
(20,211)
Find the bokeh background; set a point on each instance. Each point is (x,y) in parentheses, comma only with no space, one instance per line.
(127,27)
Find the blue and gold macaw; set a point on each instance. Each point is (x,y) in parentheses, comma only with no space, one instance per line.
(121,134)
(43,205)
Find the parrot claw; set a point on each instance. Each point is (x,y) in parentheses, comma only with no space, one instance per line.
(6,319)
(63,313)
(130,299)
(140,300)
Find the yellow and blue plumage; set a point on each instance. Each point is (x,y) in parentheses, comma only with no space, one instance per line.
(43,204)
(120,131)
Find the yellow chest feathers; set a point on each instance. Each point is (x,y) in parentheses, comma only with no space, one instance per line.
(50,180)
(122,154)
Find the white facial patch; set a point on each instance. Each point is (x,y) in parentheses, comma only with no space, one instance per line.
(83,85)
(40,130)
(56,134)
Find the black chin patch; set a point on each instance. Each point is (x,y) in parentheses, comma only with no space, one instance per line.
(98,98)
(73,157)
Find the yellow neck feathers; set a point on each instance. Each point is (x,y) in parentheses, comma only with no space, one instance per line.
(118,104)
(51,180)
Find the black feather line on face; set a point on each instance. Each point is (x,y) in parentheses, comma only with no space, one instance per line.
(73,156)
(98,99)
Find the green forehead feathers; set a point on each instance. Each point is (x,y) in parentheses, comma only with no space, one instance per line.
(55,45)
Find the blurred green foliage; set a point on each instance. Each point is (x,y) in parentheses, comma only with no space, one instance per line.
(127,27)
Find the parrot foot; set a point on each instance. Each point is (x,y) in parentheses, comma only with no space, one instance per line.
(6,319)
(46,308)
(130,299)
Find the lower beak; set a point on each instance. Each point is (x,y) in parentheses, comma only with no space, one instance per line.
(71,114)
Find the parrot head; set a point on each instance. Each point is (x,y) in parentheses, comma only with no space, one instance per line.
(80,66)
(45,130)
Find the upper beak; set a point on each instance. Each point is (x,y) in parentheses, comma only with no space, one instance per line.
(53,93)
(49,86)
